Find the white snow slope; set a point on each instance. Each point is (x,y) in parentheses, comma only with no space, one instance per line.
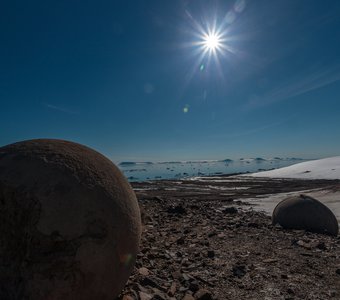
(326,168)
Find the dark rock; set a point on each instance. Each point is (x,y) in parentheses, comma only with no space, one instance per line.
(230,210)
(147,281)
(304,212)
(321,246)
(177,209)
(239,270)
(180,241)
(253,225)
(301,243)
(206,243)
(306,254)
(194,286)
(211,253)
(212,233)
(158,295)
(158,199)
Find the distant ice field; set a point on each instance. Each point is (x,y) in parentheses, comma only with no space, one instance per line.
(141,171)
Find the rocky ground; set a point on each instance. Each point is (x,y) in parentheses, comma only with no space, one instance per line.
(201,241)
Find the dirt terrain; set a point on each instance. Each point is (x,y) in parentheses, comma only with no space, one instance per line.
(201,241)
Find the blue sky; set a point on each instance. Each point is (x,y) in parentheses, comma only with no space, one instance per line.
(125,77)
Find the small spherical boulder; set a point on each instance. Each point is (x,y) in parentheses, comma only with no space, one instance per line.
(69,223)
(304,212)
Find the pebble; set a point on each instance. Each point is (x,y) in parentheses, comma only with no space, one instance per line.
(185,277)
(270,260)
(128,297)
(144,296)
(172,289)
(203,294)
(143,271)
(188,297)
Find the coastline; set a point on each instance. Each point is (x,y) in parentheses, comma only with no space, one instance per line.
(205,238)
(143,171)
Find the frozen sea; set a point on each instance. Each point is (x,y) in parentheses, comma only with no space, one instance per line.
(142,171)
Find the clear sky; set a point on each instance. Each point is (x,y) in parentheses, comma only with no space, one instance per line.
(129,78)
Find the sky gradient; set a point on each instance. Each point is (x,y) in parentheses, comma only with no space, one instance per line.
(126,78)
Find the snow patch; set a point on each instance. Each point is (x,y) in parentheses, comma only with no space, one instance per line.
(326,168)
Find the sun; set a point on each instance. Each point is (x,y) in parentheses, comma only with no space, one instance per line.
(212,42)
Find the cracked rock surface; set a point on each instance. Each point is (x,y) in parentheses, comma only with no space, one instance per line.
(69,221)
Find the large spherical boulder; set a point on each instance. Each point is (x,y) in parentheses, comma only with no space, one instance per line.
(69,223)
(304,212)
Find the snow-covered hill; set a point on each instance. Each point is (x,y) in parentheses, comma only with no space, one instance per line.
(326,168)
